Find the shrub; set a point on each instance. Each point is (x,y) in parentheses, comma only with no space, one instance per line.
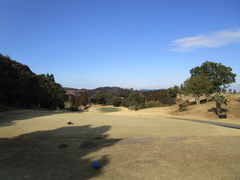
(149,104)
(73,108)
(133,108)
(116,101)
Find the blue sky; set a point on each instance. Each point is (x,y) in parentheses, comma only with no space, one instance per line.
(127,43)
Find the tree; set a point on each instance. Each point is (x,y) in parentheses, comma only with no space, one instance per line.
(101,98)
(135,99)
(20,87)
(51,94)
(116,101)
(84,98)
(220,99)
(182,104)
(219,74)
(197,85)
(173,91)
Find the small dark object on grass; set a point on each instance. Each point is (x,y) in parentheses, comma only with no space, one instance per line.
(87,145)
(96,165)
(63,146)
(222,116)
(69,122)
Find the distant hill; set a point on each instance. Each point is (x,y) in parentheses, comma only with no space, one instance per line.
(74,91)
(117,91)
(150,89)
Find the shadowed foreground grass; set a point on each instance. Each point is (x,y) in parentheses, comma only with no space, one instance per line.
(162,158)
(129,145)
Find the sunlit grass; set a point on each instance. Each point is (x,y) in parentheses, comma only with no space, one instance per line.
(108,109)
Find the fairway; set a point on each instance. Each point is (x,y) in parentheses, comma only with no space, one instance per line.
(129,145)
(108,109)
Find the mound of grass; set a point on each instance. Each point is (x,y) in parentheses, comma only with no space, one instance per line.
(108,109)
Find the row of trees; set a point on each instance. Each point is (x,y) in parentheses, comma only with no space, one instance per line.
(116,96)
(20,87)
(206,79)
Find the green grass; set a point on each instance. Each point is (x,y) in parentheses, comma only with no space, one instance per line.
(108,109)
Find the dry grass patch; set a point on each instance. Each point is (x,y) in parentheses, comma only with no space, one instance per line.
(132,145)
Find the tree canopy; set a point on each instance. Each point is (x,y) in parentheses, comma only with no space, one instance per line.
(217,73)
(197,85)
(21,87)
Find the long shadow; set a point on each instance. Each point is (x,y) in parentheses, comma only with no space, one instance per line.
(63,153)
(7,118)
(215,110)
(228,125)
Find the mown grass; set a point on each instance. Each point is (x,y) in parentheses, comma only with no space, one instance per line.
(108,109)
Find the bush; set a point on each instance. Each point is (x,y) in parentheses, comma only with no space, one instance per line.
(116,101)
(73,108)
(133,108)
(150,104)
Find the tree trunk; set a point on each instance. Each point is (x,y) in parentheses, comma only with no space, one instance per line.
(197,98)
(218,108)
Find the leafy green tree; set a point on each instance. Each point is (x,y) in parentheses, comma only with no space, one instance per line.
(219,74)
(173,91)
(135,99)
(150,104)
(18,83)
(52,94)
(101,98)
(21,87)
(116,101)
(220,99)
(197,85)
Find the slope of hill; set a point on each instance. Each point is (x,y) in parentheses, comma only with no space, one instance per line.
(74,91)
(205,111)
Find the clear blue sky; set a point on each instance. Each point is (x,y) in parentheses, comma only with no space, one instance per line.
(127,43)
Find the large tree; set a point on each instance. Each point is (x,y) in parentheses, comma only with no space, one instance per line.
(197,85)
(219,74)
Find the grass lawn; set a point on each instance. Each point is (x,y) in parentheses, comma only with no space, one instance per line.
(108,109)
(128,145)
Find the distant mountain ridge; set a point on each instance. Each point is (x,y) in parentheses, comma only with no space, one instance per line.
(122,92)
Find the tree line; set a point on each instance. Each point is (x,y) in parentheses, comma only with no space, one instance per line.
(116,96)
(209,78)
(20,87)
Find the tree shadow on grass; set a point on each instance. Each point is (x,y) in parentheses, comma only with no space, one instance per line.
(7,118)
(38,155)
(215,110)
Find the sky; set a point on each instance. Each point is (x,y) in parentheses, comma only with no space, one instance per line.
(139,44)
